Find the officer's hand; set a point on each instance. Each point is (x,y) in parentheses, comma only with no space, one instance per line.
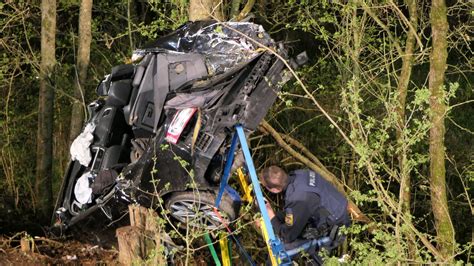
(257,223)
(270,211)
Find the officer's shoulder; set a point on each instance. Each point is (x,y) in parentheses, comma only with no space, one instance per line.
(291,188)
(295,192)
(300,172)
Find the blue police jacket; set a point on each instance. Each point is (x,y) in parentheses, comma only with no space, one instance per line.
(310,200)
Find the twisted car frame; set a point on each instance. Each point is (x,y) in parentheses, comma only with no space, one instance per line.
(164,123)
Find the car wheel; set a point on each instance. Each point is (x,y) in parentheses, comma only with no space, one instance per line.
(196,209)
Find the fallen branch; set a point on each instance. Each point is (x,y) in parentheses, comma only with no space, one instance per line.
(303,149)
(49,241)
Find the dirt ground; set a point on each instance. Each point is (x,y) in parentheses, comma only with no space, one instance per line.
(46,251)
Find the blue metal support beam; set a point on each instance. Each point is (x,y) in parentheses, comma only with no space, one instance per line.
(276,245)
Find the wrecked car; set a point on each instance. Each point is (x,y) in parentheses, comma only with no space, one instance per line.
(160,133)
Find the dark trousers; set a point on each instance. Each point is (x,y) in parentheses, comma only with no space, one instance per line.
(310,256)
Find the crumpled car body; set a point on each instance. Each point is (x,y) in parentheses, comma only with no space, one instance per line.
(161,133)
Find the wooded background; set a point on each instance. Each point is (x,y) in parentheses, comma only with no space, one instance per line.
(383,108)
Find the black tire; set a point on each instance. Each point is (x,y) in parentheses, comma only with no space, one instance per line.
(182,205)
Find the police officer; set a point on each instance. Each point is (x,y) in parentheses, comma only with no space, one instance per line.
(313,207)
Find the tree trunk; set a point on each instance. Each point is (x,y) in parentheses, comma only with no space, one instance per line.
(83,56)
(403,82)
(27,245)
(44,146)
(205,10)
(439,201)
(141,243)
(130,243)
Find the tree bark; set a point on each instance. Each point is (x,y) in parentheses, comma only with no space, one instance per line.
(130,243)
(27,245)
(403,82)
(140,243)
(205,10)
(83,58)
(439,201)
(44,146)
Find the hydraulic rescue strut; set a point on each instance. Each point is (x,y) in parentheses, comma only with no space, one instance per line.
(277,249)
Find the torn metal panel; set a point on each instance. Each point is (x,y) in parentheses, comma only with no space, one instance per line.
(223,44)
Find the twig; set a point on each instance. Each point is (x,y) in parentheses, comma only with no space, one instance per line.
(49,241)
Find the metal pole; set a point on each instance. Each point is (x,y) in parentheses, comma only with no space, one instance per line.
(277,247)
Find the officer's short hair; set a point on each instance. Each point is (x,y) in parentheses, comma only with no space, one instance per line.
(274,177)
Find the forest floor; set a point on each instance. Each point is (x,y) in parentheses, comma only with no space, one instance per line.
(46,251)
(91,243)
(69,252)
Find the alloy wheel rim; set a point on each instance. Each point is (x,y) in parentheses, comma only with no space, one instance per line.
(195,214)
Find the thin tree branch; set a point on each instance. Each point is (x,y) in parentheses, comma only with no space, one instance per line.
(246,10)
(381,24)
